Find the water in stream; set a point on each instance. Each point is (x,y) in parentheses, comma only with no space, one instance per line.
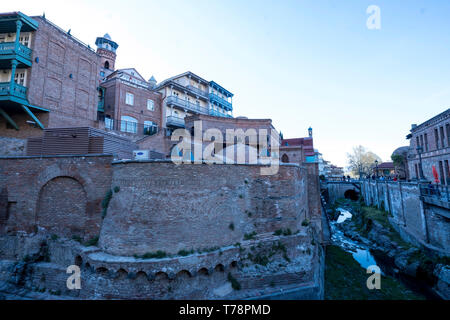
(360,253)
(364,257)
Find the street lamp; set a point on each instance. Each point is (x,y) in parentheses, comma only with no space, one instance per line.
(360,171)
(376,166)
(419,152)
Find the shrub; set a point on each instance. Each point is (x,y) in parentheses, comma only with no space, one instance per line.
(250,236)
(116,189)
(91,242)
(305,223)
(105,202)
(185,252)
(284,232)
(154,255)
(234,283)
(278,232)
(77,238)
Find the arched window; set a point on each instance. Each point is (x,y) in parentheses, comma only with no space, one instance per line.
(285,158)
(128,124)
(150,127)
(106,64)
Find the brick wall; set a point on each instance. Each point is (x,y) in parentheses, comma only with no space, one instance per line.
(12,146)
(65,79)
(162,206)
(61,194)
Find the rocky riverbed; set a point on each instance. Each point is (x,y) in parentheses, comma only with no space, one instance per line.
(366,233)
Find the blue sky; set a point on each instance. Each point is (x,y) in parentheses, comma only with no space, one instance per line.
(300,63)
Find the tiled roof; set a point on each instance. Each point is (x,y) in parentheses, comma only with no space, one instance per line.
(386,165)
(306,143)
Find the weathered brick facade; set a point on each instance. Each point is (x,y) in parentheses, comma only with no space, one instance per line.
(61,195)
(63,79)
(433,136)
(116,106)
(162,206)
(227,214)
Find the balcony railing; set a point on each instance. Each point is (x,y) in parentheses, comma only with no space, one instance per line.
(215,98)
(8,48)
(219,114)
(198,91)
(174,100)
(130,127)
(175,121)
(435,192)
(17,90)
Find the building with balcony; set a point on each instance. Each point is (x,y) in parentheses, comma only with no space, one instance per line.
(432,140)
(188,94)
(48,78)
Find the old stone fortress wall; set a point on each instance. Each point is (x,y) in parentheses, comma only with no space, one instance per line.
(165,230)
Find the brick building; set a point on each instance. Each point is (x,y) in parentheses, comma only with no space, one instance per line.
(298,150)
(130,105)
(433,139)
(241,131)
(48,78)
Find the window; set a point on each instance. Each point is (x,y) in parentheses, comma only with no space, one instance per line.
(128,124)
(102,73)
(441,172)
(150,105)
(436,138)
(24,40)
(106,64)
(19,78)
(421,141)
(426,142)
(129,99)
(150,127)
(108,123)
(417,171)
(447,172)
(447,128)
(417,141)
(442,137)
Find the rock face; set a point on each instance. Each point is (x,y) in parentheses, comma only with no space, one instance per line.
(265,266)
(443,283)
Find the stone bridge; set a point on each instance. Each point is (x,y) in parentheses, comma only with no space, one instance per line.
(332,190)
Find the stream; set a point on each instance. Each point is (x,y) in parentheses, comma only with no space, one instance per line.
(365,257)
(359,252)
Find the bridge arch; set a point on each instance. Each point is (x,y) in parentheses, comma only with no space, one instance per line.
(351,194)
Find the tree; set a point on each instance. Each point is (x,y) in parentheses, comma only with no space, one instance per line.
(362,161)
(400,165)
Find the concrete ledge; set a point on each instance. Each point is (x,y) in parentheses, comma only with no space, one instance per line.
(58,156)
